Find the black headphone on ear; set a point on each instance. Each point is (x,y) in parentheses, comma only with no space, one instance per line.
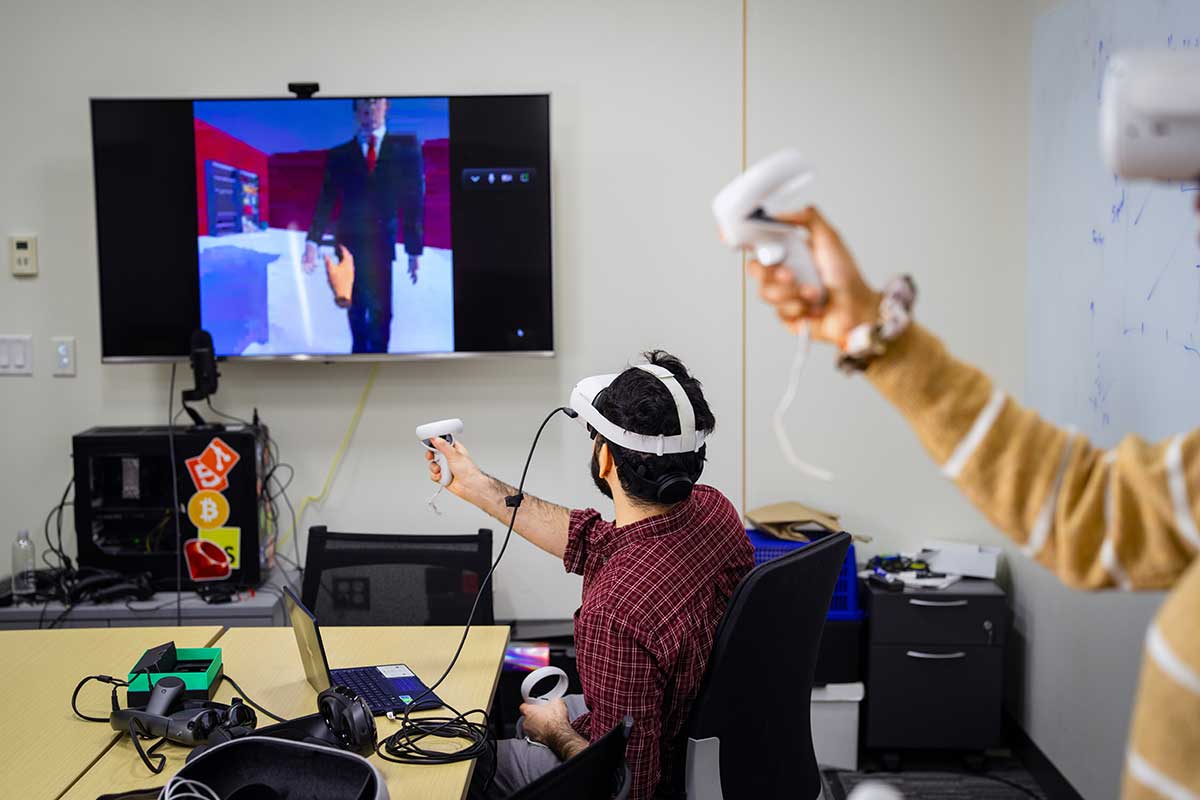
(349,719)
(673,486)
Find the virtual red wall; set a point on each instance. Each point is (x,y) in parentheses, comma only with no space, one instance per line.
(295,179)
(213,144)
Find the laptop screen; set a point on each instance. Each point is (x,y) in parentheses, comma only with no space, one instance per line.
(308,640)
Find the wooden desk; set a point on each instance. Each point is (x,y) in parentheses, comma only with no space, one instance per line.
(44,748)
(266,663)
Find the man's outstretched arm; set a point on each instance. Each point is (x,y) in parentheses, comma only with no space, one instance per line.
(542,523)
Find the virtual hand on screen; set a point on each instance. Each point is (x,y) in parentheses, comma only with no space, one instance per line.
(413,264)
(309,260)
(850,301)
(341,276)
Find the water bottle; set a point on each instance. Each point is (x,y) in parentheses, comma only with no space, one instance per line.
(23,566)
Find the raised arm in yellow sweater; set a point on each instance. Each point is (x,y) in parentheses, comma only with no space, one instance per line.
(1127,518)
(1099,519)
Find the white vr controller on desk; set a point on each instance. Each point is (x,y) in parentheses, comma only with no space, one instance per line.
(533,678)
(447,429)
(745,211)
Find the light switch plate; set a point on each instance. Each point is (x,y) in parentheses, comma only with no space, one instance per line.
(62,351)
(22,254)
(16,355)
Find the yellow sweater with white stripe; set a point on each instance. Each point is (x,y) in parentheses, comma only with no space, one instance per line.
(1127,518)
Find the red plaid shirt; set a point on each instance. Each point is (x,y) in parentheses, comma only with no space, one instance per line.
(653,593)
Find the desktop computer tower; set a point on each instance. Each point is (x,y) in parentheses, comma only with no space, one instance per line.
(125,512)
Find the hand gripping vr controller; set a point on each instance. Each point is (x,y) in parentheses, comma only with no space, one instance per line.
(745,211)
(447,429)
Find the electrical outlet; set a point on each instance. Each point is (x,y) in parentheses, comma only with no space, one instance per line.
(16,355)
(352,593)
(22,251)
(63,353)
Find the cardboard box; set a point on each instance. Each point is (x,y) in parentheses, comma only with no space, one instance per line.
(791,520)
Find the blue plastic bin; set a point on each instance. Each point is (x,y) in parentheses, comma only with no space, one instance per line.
(844,604)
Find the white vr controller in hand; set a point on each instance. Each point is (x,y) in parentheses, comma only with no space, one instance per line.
(746,209)
(447,429)
(746,212)
(533,678)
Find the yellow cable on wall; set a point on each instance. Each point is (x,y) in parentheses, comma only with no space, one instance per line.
(337,458)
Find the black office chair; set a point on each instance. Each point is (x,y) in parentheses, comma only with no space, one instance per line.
(749,733)
(597,773)
(390,579)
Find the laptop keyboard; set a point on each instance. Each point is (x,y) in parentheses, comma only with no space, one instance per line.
(384,694)
(364,685)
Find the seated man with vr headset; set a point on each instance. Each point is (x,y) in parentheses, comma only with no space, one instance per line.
(655,582)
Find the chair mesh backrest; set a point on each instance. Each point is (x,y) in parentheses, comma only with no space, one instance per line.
(597,773)
(389,579)
(757,689)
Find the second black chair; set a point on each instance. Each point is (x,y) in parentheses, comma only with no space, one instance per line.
(599,772)
(749,733)
(394,579)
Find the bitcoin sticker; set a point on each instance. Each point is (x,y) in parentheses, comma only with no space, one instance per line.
(208,510)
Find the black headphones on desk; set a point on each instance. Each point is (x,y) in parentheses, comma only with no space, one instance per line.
(349,719)
(343,721)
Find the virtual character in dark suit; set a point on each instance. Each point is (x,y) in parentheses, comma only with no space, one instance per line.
(378,178)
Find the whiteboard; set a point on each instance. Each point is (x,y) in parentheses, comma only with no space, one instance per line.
(1113,306)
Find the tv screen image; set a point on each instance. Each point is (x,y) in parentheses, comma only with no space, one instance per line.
(281,187)
(324,228)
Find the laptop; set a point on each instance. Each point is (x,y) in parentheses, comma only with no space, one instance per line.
(387,688)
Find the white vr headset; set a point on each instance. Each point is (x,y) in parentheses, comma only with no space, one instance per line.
(689,440)
(1150,114)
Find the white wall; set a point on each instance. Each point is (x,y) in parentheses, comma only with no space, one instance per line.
(915,115)
(645,125)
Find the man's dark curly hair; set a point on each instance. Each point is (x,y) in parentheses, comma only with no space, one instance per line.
(637,401)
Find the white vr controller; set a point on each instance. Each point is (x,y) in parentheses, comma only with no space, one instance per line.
(1150,115)
(533,678)
(745,210)
(447,429)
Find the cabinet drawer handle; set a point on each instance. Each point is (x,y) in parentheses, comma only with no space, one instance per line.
(935,656)
(937,603)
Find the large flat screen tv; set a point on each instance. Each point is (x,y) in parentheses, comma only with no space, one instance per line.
(240,216)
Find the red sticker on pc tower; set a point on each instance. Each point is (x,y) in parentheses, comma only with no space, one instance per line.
(206,561)
(204,476)
(208,470)
(219,456)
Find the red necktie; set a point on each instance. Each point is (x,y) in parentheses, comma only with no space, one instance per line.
(371,156)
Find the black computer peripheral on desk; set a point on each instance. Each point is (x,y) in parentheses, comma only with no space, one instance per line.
(342,721)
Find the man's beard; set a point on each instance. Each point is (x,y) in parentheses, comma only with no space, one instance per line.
(601,484)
